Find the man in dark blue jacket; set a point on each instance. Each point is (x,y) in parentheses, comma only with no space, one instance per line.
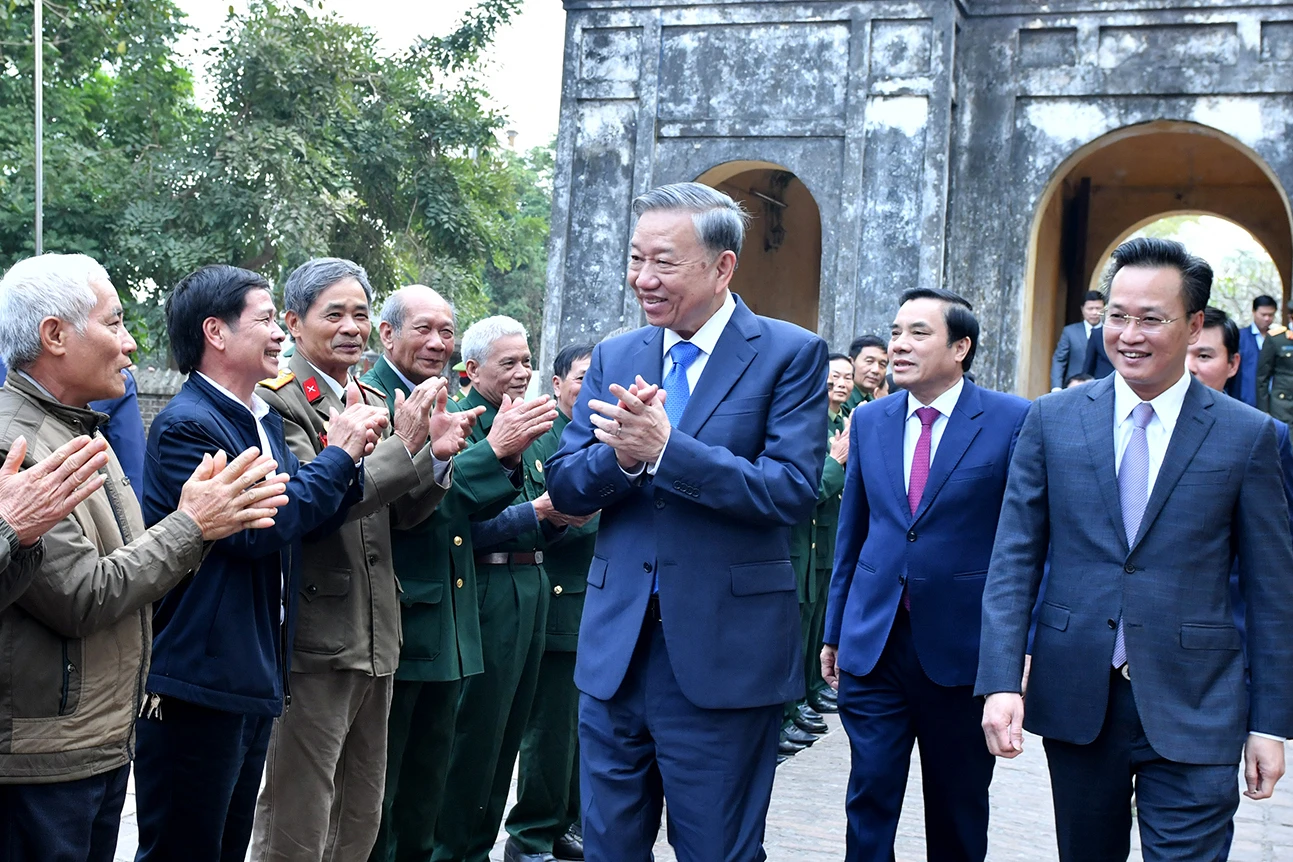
(219,663)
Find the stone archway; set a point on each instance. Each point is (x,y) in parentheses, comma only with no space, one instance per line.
(779,274)
(1117,183)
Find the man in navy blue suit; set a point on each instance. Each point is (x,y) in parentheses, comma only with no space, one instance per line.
(1144,488)
(1251,339)
(902,620)
(701,439)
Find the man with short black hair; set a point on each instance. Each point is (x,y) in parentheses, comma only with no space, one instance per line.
(1137,670)
(1252,339)
(870,357)
(221,643)
(1070,353)
(916,528)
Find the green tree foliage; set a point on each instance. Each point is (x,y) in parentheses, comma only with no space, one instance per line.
(316,143)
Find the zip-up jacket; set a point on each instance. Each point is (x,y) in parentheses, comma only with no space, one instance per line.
(219,636)
(74,644)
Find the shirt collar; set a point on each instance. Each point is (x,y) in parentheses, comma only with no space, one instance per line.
(706,338)
(944,403)
(400,374)
(1255,330)
(259,407)
(1167,406)
(337,389)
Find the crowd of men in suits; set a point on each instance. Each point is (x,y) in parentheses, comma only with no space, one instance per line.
(332,615)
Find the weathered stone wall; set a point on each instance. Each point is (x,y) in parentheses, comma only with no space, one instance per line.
(927,131)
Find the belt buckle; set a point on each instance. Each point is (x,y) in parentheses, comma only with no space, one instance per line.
(538,558)
(1125,670)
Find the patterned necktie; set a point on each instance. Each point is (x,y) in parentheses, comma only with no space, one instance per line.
(920,460)
(683,354)
(1133,495)
(920,469)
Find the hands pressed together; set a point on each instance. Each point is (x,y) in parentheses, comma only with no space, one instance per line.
(636,427)
(518,424)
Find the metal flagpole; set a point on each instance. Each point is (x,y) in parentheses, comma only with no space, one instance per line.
(40,131)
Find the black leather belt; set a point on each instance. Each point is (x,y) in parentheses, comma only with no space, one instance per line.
(516,558)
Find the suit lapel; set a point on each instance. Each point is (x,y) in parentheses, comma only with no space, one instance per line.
(1097,425)
(732,355)
(1192,426)
(962,427)
(891,438)
(648,360)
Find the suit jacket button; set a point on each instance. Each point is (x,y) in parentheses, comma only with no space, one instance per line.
(458,583)
(372,559)
(646,567)
(1129,569)
(659,504)
(457,541)
(312,589)
(556,591)
(1113,624)
(911,535)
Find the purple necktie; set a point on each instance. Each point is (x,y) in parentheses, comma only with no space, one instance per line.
(920,469)
(1133,495)
(920,460)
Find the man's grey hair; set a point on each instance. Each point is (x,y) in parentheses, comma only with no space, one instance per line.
(315,276)
(720,221)
(394,308)
(481,335)
(51,285)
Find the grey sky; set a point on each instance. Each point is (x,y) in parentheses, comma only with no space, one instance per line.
(523,71)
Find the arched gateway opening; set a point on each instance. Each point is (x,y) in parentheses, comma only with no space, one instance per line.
(1114,185)
(779,273)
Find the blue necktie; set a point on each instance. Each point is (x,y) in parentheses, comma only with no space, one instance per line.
(683,354)
(1133,493)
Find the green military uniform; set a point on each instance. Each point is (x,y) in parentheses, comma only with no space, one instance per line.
(810,583)
(1275,374)
(547,790)
(856,397)
(826,524)
(435,565)
(494,707)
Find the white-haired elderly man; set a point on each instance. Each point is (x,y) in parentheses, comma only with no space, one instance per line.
(326,766)
(495,706)
(76,641)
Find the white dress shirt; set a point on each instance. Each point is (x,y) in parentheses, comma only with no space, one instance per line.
(1258,334)
(1089,327)
(944,404)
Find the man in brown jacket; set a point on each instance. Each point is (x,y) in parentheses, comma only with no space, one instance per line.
(326,766)
(76,642)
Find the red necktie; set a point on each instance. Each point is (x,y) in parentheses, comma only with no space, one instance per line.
(919,470)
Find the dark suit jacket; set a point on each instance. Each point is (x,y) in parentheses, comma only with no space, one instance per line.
(1097,362)
(740,469)
(1217,494)
(1070,354)
(941,554)
(1247,376)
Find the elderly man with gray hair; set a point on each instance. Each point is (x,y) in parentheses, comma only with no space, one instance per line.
(76,642)
(701,437)
(326,765)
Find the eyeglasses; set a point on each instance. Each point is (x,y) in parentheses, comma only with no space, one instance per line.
(1117,321)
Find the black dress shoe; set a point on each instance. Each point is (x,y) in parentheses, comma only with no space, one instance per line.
(809,726)
(821,704)
(808,712)
(782,758)
(570,846)
(795,734)
(829,693)
(785,746)
(512,852)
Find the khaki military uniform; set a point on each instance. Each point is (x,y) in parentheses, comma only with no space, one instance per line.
(1275,374)
(326,764)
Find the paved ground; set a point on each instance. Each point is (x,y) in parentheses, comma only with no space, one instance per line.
(806,820)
